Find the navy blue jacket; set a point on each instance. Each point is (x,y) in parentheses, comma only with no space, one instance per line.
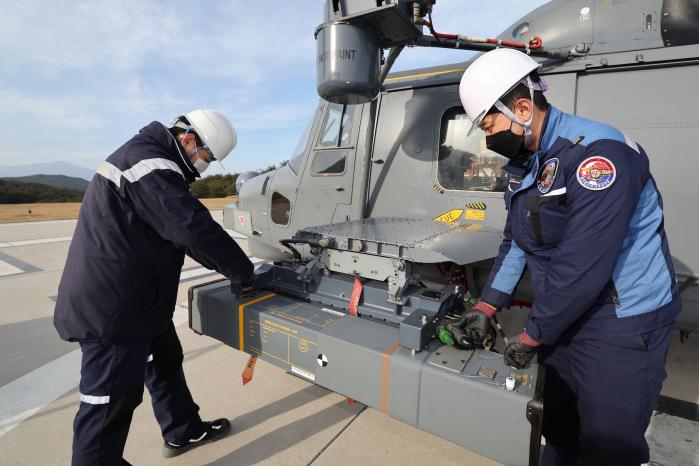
(585,218)
(137,220)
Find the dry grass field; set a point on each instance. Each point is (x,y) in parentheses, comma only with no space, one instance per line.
(218,203)
(69,210)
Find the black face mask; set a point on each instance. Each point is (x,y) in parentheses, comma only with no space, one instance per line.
(507,144)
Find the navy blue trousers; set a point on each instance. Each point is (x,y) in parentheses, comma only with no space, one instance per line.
(111,387)
(599,396)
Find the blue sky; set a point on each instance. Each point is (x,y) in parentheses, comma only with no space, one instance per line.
(78,78)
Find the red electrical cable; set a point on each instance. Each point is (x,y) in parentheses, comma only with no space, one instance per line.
(446,36)
(535,43)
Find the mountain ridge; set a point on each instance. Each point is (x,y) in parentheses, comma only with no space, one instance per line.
(56,181)
(46,168)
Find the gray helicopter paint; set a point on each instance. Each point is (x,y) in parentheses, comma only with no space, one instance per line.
(354,67)
(661,119)
(558,23)
(607,26)
(416,239)
(629,79)
(646,100)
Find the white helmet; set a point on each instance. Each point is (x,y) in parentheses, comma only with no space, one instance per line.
(490,77)
(214,130)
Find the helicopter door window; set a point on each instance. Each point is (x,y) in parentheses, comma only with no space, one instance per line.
(330,162)
(336,129)
(330,157)
(281,209)
(465,164)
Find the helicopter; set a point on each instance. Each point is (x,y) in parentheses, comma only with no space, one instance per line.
(389,212)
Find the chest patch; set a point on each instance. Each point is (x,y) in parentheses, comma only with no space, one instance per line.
(547,176)
(596,173)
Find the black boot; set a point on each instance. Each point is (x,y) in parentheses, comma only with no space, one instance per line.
(213,431)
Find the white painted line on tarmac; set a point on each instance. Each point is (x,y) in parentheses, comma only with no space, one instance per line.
(27,395)
(196,272)
(8,269)
(29,242)
(59,239)
(39,223)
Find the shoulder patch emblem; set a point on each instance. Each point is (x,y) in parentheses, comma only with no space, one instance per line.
(547,176)
(596,173)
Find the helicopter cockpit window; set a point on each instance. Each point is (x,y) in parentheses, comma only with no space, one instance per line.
(297,157)
(465,164)
(281,209)
(336,129)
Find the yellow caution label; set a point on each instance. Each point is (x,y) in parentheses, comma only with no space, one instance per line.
(473,214)
(449,216)
(476,205)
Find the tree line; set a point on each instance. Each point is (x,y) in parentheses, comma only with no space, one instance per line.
(221,185)
(14,192)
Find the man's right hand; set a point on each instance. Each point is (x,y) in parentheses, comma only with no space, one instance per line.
(246,286)
(477,322)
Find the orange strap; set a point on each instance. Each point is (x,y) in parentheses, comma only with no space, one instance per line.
(386,374)
(356,295)
(249,370)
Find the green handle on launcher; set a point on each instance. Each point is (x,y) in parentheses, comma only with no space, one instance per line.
(446,337)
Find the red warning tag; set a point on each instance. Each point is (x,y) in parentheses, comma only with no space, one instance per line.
(356,296)
(249,370)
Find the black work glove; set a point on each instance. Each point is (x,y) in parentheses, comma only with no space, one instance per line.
(477,323)
(246,286)
(519,353)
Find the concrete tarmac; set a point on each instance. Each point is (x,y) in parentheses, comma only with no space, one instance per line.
(277,418)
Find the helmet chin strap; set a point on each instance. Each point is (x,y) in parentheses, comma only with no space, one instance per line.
(527,125)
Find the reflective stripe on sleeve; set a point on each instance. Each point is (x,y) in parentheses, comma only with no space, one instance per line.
(146,166)
(556,192)
(110,172)
(138,171)
(94,400)
(150,358)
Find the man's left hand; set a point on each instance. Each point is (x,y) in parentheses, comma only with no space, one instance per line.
(519,353)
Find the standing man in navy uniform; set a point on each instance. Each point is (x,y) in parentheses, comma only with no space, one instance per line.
(585,218)
(119,287)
